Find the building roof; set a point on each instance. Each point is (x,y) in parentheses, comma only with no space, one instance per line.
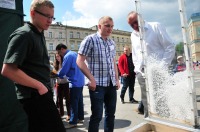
(195,15)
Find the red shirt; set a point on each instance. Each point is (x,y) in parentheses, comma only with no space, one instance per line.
(123,64)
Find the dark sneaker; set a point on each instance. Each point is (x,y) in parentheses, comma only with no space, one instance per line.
(134,101)
(122,100)
(140,111)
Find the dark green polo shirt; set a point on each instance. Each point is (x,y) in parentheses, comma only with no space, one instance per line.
(27,49)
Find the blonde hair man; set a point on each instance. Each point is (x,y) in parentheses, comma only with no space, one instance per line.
(27,64)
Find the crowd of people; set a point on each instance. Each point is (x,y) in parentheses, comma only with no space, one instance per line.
(26,63)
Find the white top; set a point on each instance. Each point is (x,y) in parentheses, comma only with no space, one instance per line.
(157,42)
(62,80)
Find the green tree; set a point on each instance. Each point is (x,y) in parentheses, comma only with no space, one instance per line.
(179,48)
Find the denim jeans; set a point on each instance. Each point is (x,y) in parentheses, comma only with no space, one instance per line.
(106,96)
(76,100)
(128,81)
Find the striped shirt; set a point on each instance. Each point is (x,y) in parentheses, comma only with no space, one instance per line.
(100,58)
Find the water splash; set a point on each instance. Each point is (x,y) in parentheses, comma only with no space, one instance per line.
(169,94)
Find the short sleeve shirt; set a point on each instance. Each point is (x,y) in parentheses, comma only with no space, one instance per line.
(100,54)
(27,49)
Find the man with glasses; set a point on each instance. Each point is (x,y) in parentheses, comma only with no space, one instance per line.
(45,15)
(98,51)
(157,43)
(26,63)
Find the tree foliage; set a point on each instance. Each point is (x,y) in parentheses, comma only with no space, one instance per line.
(180,48)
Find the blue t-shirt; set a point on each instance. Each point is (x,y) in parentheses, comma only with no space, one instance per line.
(71,70)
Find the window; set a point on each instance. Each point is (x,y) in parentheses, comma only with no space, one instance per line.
(122,39)
(117,39)
(198,32)
(86,34)
(50,34)
(71,34)
(72,45)
(78,44)
(118,48)
(50,46)
(78,35)
(60,35)
(127,40)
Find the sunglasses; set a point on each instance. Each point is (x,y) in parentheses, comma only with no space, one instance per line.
(45,15)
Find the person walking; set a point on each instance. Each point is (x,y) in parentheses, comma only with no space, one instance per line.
(157,43)
(26,63)
(126,68)
(73,73)
(98,51)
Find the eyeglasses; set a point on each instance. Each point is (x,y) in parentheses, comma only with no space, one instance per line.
(45,15)
(109,26)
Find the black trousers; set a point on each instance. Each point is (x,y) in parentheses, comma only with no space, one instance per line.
(128,81)
(42,114)
(63,92)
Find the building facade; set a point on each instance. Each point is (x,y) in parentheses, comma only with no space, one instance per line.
(72,36)
(194,33)
(54,35)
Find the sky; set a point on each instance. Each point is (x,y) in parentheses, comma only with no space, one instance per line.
(86,13)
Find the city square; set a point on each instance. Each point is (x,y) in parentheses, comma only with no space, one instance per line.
(72,42)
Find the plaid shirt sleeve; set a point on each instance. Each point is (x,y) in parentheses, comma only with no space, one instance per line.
(85,46)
